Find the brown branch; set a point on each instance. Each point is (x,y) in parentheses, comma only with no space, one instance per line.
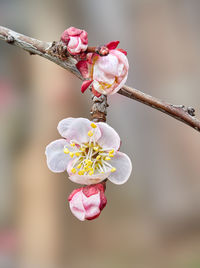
(57,53)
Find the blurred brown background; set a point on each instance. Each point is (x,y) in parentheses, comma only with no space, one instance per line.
(154,219)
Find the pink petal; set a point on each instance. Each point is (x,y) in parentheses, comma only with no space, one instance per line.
(91,190)
(108,64)
(123,166)
(65,37)
(76,206)
(120,85)
(78,130)
(57,160)
(122,50)
(91,205)
(121,57)
(112,45)
(82,66)
(84,37)
(85,85)
(73,193)
(109,137)
(74,31)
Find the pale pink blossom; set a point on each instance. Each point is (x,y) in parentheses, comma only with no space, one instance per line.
(106,73)
(75,39)
(87,202)
(89,152)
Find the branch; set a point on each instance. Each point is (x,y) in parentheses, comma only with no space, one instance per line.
(56,52)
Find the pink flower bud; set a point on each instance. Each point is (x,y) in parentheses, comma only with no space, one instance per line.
(75,39)
(87,202)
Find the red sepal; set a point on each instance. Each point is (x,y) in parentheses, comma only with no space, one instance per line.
(82,66)
(85,85)
(123,51)
(112,45)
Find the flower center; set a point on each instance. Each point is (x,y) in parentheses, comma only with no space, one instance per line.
(90,158)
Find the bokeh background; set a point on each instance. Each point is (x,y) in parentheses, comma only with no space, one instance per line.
(154,219)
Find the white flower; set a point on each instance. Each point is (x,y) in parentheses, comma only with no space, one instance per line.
(88,152)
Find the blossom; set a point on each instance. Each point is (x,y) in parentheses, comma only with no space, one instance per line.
(106,73)
(88,152)
(75,39)
(87,202)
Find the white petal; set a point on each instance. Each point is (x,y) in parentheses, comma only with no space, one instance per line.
(76,206)
(64,125)
(88,179)
(76,129)
(109,137)
(123,166)
(57,160)
(73,42)
(99,87)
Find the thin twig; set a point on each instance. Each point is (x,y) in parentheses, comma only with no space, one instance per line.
(56,52)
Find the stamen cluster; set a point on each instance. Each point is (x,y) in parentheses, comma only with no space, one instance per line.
(90,158)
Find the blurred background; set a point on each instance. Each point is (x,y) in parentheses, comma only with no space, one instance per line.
(154,219)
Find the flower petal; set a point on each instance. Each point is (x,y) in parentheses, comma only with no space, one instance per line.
(77,208)
(92,206)
(109,137)
(119,86)
(88,179)
(108,64)
(64,125)
(123,166)
(78,130)
(57,160)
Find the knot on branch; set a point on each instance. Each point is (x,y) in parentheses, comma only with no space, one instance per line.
(59,50)
(10,39)
(99,108)
(189,110)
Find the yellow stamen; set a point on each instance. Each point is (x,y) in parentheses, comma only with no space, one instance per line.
(98,157)
(83,149)
(90,133)
(79,166)
(89,162)
(107,158)
(66,150)
(113,169)
(77,154)
(111,152)
(93,125)
(96,149)
(73,170)
(72,144)
(71,154)
(81,172)
(91,173)
(111,155)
